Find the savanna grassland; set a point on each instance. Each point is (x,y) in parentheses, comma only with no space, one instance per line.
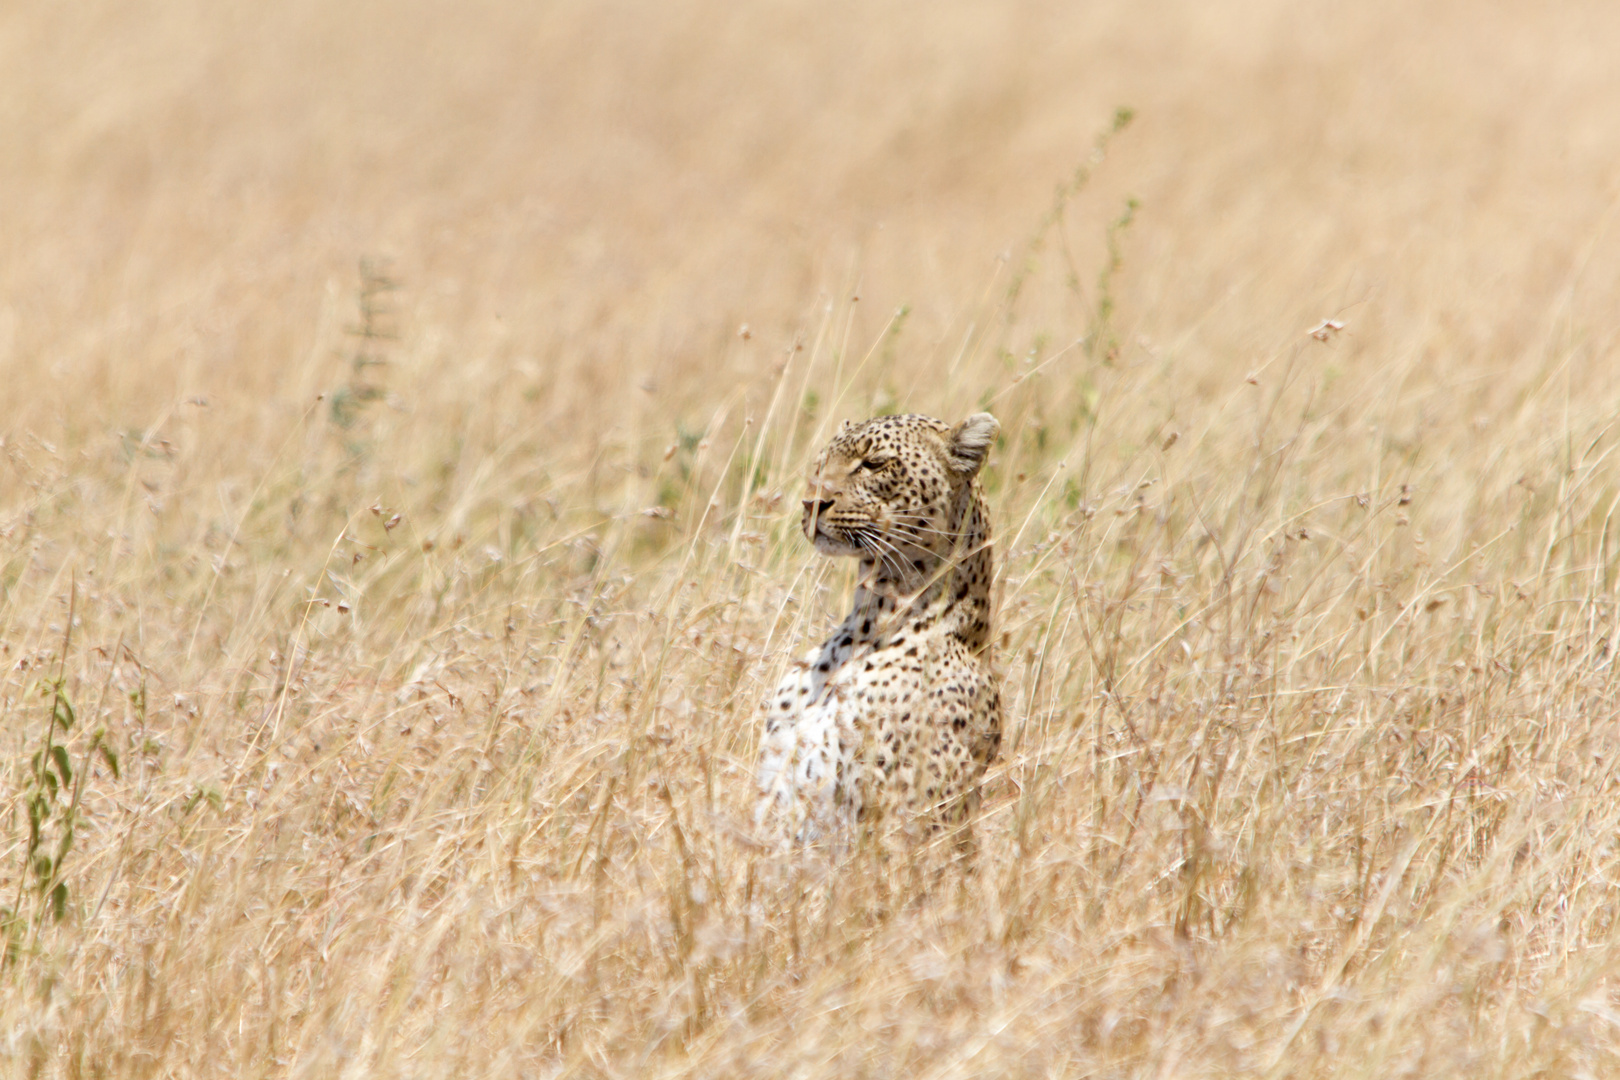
(403,413)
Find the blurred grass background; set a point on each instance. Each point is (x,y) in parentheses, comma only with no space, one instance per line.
(403,412)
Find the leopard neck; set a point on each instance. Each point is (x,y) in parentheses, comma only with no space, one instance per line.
(952,594)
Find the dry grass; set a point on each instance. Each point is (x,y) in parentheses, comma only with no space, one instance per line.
(1307,644)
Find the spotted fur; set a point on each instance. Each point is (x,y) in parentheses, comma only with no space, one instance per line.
(898,712)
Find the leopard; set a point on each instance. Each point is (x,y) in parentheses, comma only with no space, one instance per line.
(897,715)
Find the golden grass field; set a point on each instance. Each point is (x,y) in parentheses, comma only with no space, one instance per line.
(404,414)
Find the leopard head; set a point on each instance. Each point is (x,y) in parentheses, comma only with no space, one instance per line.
(896,490)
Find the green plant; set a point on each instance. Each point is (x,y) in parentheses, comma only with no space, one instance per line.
(51,796)
(374,331)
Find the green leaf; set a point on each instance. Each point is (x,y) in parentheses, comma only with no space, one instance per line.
(64,767)
(110,756)
(206,793)
(59,897)
(64,711)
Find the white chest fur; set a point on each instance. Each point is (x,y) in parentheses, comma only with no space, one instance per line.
(807,771)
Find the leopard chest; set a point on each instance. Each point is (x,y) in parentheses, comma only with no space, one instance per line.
(873,683)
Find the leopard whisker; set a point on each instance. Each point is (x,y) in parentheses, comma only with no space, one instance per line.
(885,550)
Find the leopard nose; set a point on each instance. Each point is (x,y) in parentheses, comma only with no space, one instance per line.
(817,507)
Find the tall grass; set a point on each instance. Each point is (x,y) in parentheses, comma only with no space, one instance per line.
(399,466)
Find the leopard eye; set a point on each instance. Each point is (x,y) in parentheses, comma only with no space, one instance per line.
(872,464)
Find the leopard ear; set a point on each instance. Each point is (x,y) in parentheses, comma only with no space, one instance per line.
(970,442)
